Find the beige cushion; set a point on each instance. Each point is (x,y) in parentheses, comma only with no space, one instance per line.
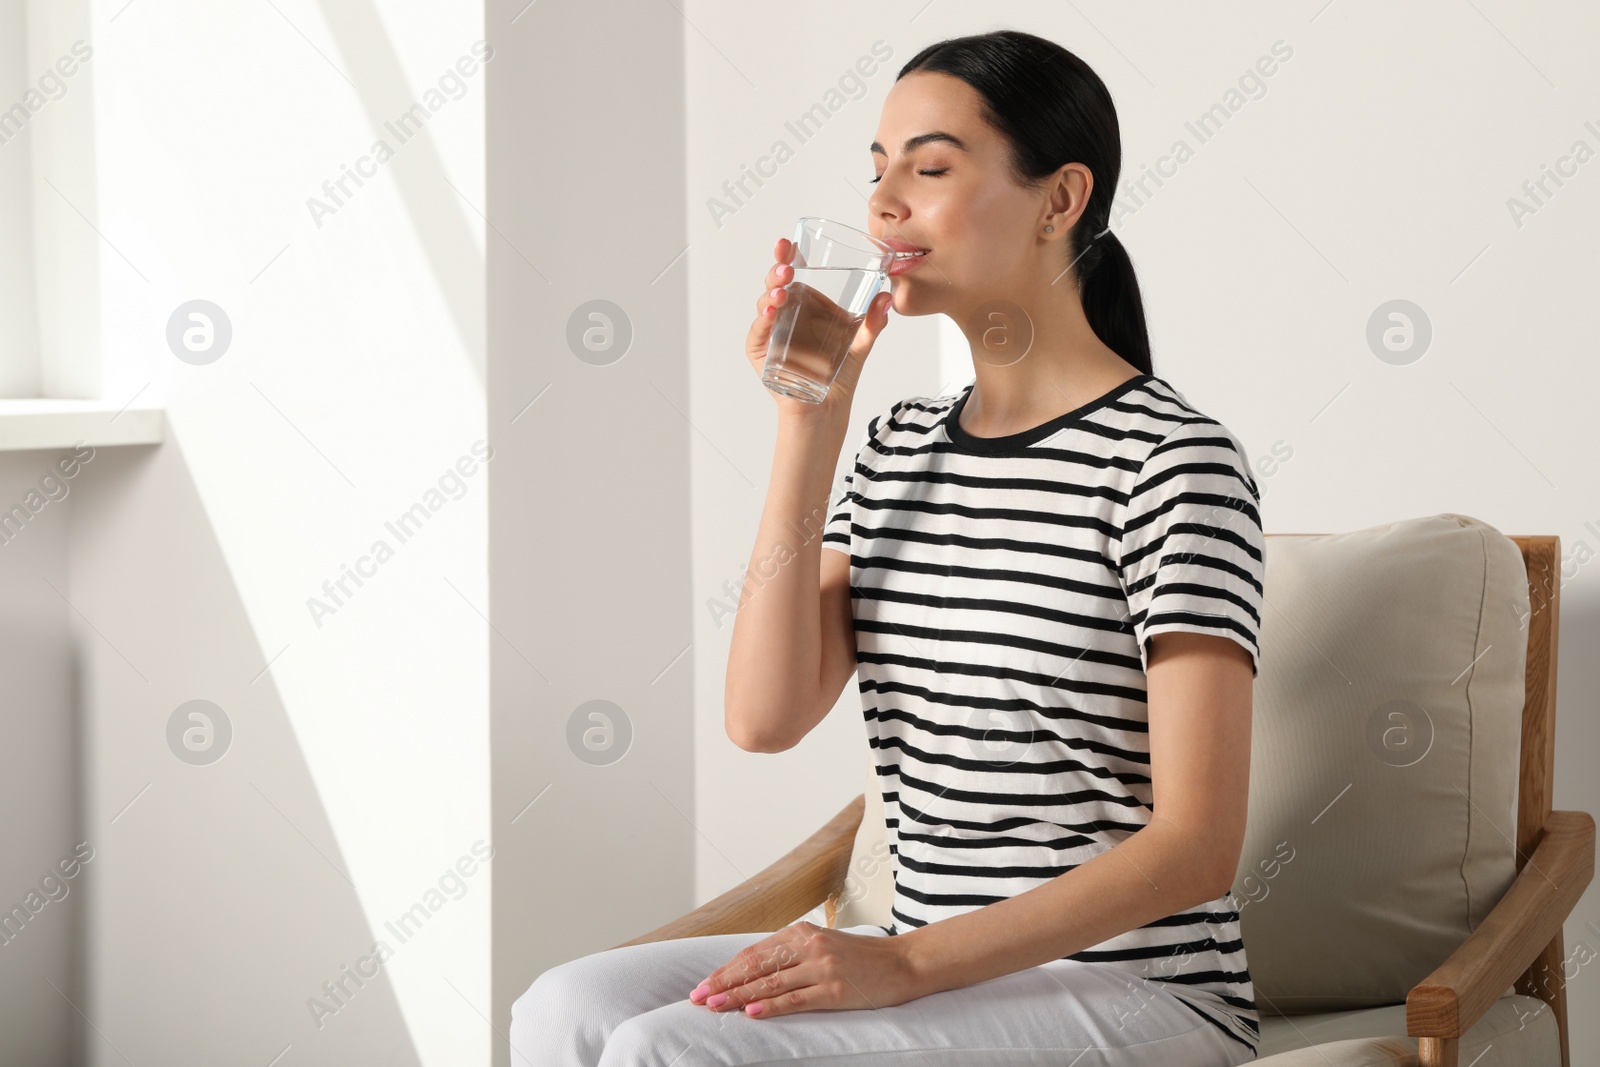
(1353,1052)
(869,882)
(1384,755)
(1516,1031)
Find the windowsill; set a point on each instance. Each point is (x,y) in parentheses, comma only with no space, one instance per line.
(46,422)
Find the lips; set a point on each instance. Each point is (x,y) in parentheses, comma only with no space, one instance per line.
(905,262)
(903,249)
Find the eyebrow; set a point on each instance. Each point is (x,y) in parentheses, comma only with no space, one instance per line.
(924,138)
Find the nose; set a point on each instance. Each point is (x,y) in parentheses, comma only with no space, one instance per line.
(878,204)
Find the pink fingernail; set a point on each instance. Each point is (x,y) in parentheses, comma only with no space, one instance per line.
(717,1001)
(698,993)
(754,1009)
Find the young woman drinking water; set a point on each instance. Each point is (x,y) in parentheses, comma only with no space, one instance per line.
(1050,583)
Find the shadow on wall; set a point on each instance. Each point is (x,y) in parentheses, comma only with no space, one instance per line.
(438,210)
(41,877)
(217,921)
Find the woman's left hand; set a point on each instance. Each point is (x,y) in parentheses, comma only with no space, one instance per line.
(806,967)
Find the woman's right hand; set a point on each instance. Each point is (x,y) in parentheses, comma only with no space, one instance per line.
(773,297)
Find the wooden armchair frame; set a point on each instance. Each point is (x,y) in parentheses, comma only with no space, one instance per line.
(1519,942)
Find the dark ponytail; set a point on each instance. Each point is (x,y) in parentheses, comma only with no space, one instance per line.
(1055,110)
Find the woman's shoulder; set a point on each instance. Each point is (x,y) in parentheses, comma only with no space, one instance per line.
(913,416)
(1176,417)
(925,409)
(1184,434)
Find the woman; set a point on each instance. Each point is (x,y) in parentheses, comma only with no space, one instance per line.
(1050,584)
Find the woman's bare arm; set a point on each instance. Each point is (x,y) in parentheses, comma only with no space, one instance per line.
(775,680)
(793,644)
(838,629)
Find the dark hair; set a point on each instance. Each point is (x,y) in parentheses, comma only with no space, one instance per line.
(1055,110)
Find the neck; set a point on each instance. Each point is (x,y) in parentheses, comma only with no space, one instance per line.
(1023,380)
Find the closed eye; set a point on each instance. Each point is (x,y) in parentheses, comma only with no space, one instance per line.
(929,173)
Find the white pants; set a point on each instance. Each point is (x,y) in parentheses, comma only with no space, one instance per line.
(630,1007)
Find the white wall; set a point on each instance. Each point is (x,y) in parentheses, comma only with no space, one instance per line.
(590,535)
(1376,164)
(19,328)
(41,882)
(61,143)
(224,896)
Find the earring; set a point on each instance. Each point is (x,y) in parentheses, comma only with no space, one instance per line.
(1049,229)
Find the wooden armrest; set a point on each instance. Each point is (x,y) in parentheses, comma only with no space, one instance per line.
(810,873)
(1450,1000)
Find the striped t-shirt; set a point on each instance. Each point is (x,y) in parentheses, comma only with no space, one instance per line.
(1002,590)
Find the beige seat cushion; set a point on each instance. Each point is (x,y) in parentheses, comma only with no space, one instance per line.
(1384,756)
(1516,1031)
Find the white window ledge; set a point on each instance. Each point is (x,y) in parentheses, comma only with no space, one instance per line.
(44,422)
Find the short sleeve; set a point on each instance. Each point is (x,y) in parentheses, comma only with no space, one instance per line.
(836,534)
(841,514)
(1193,549)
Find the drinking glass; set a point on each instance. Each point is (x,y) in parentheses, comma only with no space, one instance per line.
(838,269)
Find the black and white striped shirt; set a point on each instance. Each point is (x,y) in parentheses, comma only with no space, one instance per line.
(1003,590)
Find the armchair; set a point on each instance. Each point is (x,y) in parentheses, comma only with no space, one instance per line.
(1404,880)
